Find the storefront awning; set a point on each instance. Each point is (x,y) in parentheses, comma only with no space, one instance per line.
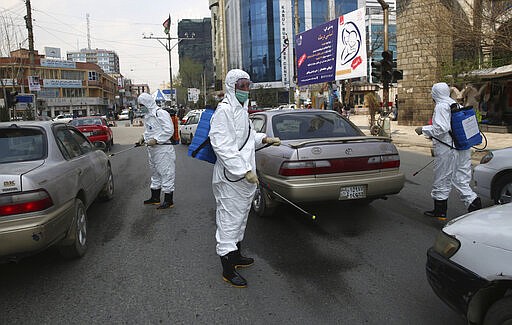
(491,73)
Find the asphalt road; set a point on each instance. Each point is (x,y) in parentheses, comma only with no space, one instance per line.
(144,266)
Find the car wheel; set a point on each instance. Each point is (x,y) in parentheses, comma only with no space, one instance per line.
(500,312)
(261,203)
(503,190)
(107,193)
(182,140)
(79,233)
(191,136)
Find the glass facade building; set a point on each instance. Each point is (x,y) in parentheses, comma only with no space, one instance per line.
(261,44)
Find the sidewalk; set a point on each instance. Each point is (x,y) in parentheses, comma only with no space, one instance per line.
(404,137)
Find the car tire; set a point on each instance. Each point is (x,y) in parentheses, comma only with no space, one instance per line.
(261,203)
(503,189)
(107,193)
(191,136)
(182,140)
(500,312)
(79,232)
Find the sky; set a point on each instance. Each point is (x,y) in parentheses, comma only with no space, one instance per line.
(114,25)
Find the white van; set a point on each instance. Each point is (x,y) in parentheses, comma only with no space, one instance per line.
(470,265)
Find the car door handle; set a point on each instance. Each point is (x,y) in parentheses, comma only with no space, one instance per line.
(80,171)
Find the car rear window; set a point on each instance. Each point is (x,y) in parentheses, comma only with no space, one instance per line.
(88,121)
(294,126)
(21,144)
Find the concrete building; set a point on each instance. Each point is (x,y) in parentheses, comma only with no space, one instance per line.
(66,87)
(198,49)
(105,59)
(428,47)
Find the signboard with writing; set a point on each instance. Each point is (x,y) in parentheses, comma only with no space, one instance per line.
(316,54)
(57,64)
(62,83)
(33,83)
(335,50)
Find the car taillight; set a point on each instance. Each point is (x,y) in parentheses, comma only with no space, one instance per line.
(24,202)
(331,166)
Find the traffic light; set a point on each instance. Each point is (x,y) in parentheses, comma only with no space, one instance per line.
(377,71)
(387,66)
(11,99)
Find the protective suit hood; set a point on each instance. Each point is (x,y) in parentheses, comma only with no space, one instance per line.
(148,101)
(231,78)
(441,93)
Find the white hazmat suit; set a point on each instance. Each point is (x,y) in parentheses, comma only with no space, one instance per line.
(451,167)
(230,128)
(162,157)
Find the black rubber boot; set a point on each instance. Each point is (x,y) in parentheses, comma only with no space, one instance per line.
(439,212)
(242,261)
(155,197)
(475,205)
(229,273)
(167,203)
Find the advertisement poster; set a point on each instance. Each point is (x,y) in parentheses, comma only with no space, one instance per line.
(33,83)
(351,48)
(335,50)
(316,53)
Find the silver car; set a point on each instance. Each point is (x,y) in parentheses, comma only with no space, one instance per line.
(323,157)
(49,175)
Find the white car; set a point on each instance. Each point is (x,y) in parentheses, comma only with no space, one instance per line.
(470,265)
(64,118)
(493,177)
(188,129)
(123,115)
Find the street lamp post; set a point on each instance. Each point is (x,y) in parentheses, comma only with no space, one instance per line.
(169,48)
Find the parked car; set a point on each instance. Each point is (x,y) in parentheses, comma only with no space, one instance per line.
(64,118)
(188,129)
(185,118)
(95,128)
(123,115)
(493,177)
(323,157)
(470,265)
(49,175)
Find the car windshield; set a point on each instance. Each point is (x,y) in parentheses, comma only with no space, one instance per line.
(86,121)
(21,144)
(292,126)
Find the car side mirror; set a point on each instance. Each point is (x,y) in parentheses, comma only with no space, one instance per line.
(110,124)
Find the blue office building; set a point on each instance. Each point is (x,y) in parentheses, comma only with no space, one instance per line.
(265,48)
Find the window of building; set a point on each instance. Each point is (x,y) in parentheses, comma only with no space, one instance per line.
(93,76)
(72,75)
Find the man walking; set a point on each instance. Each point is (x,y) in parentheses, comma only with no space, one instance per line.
(451,166)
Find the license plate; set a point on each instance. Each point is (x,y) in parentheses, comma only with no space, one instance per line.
(353,192)
(88,134)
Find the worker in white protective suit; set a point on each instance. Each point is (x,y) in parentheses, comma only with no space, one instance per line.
(158,130)
(451,167)
(234,180)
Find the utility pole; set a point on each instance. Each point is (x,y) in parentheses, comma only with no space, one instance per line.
(28,23)
(169,48)
(385,85)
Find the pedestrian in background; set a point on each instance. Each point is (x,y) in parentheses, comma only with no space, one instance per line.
(372,103)
(131,115)
(451,167)
(158,130)
(234,180)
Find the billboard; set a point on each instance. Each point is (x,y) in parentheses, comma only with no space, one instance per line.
(335,50)
(52,52)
